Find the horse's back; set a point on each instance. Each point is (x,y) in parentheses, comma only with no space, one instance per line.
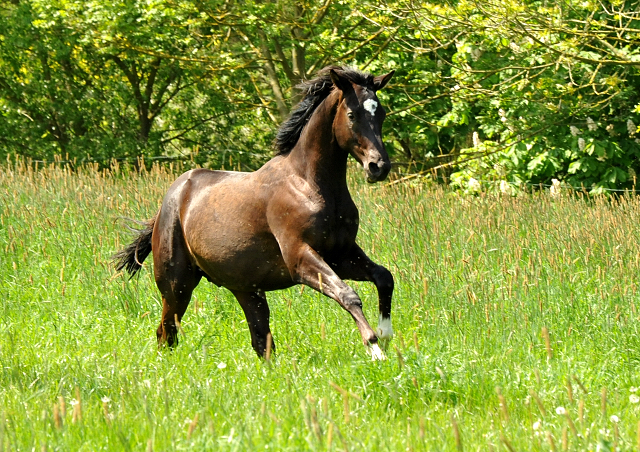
(200,178)
(183,190)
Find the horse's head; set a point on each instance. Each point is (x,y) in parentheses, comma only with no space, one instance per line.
(358,124)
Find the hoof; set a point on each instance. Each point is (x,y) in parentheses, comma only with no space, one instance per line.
(376,353)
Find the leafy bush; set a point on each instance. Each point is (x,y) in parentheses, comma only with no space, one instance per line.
(508,91)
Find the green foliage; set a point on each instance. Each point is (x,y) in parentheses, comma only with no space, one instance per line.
(556,95)
(73,85)
(521,92)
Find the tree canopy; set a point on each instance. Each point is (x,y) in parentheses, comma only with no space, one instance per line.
(522,92)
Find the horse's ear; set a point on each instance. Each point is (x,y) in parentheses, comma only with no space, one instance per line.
(339,81)
(380,81)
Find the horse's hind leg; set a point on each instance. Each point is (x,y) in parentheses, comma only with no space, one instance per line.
(176,277)
(256,309)
(175,300)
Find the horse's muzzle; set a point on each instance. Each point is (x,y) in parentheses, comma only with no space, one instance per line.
(377,171)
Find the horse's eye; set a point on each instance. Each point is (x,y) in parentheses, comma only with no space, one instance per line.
(350,115)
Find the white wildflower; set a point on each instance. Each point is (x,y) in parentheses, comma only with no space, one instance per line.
(105,399)
(631,127)
(221,365)
(473,184)
(633,389)
(537,424)
(591,124)
(615,419)
(574,131)
(554,190)
(560,410)
(476,140)
(633,398)
(581,144)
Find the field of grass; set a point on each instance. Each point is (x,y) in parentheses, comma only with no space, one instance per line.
(516,325)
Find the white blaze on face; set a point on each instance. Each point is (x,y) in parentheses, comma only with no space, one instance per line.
(370,105)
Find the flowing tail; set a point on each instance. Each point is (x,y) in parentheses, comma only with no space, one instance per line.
(132,257)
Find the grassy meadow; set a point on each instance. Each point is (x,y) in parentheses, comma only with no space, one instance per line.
(516,325)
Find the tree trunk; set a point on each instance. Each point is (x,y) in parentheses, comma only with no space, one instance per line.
(272,76)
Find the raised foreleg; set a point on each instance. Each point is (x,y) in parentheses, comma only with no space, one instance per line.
(309,268)
(357,266)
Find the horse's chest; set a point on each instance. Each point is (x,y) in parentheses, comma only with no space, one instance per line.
(334,230)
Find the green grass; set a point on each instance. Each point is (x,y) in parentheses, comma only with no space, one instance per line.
(477,281)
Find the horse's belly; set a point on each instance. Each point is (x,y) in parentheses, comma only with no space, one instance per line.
(243,263)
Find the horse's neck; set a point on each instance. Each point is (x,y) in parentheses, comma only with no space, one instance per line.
(317,156)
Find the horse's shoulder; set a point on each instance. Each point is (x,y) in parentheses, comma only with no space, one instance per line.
(292,195)
(301,185)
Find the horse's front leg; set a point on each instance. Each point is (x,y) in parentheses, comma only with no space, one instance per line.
(357,266)
(307,267)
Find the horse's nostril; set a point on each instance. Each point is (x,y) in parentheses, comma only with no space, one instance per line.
(374,168)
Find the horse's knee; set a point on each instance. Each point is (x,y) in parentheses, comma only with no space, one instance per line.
(351,300)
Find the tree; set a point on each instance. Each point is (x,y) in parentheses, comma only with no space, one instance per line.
(73,84)
(279,44)
(541,90)
(511,91)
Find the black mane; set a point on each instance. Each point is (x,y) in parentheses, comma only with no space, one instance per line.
(315,91)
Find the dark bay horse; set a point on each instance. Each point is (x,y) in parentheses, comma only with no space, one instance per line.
(290,222)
